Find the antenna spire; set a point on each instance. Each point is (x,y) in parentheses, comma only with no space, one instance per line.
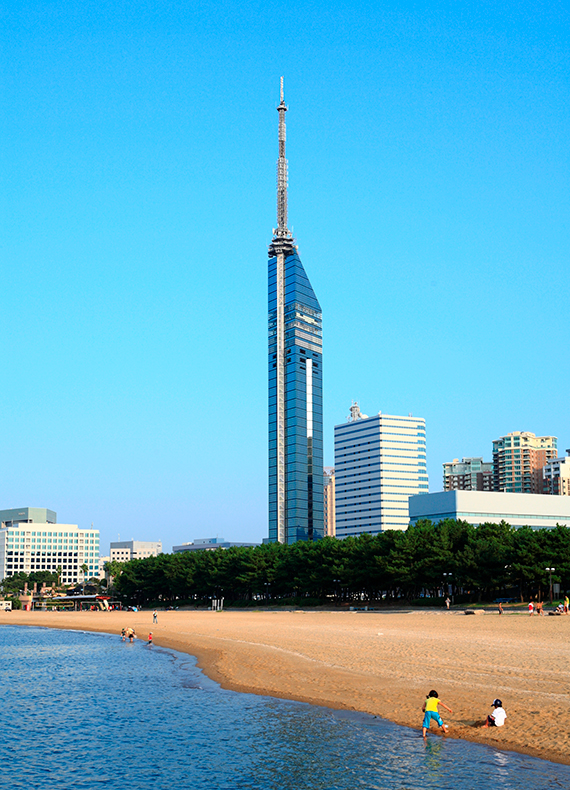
(282,176)
(282,237)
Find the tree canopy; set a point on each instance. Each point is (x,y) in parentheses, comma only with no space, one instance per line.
(479,563)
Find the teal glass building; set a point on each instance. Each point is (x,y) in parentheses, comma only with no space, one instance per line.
(295,382)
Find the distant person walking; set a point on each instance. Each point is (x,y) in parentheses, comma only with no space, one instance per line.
(150,639)
(154,617)
(566,604)
(447,602)
(531,608)
(500,608)
(430,711)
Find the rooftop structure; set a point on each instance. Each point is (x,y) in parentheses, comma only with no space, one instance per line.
(27,515)
(479,507)
(209,544)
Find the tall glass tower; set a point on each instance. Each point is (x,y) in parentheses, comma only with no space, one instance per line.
(295,382)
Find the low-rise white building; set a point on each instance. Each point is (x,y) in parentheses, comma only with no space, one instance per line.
(480,507)
(102,561)
(125,550)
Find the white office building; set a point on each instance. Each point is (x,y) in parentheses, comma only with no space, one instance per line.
(28,545)
(379,462)
(125,550)
(480,507)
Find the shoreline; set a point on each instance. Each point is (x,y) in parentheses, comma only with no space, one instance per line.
(382,664)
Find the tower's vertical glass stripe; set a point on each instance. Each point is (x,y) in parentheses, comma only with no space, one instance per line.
(295,402)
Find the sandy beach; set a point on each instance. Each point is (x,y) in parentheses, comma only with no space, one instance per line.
(378,663)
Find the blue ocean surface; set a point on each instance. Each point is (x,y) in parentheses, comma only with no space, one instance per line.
(83,710)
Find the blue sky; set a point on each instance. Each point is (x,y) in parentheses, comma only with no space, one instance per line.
(429,170)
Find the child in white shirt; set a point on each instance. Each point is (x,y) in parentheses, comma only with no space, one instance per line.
(497,717)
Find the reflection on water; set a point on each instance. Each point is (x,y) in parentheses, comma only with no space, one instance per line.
(83,711)
(433,761)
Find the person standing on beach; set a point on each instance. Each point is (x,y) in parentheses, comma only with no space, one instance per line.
(531,608)
(447,602)
(430,712)
(566,604)
(150,639)
(500,608)
(154,617)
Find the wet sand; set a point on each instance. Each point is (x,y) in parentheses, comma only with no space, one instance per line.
(383,664)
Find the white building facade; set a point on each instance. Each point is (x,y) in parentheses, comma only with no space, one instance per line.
(103,560)
(480,507)
(37,546)
(125,550)
(379,462)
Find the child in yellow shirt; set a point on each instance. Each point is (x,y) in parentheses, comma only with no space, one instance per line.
(430,712)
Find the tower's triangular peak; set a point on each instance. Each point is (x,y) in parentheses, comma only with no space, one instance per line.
(282,236)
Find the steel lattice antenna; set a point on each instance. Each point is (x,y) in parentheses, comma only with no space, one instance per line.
(282,236)
(282,177)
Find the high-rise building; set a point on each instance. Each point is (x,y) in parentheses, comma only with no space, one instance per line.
(329,501)
(472,474)
(379,463)
(518,459)
(295,382)
(28,544)
(125,550)
(556,476)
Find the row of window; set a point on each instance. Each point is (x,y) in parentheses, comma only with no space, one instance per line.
(391,487)
(397,462)
(23,533)
(36,552)
(378,429)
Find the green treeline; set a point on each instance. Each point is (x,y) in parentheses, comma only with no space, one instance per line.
(481,563)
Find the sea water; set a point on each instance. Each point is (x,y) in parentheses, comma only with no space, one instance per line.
(82,710)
